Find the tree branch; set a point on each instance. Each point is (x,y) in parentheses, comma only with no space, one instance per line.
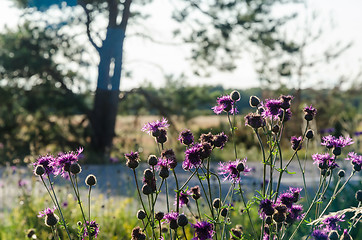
(87,12)
(125,14)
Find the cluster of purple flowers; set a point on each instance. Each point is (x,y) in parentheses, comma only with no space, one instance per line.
(329,227)
(93,228)
(333,142)
(59,165)
(225,103)
(233,170)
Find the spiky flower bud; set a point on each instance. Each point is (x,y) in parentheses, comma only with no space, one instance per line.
(146,189)
(235,95)
(240,167)
(341,173)
(39,170)
(173,224)
(51,220)
(148,174)
(79,223)
(182,220)
(309,134)
(75,168)
(224,212)
(152,160)
(333,235)
(141,214)
(337,151)
(159,216)
(164,172)
(30,233)
(268,220)
(91,180)
(359,195)
(254,101)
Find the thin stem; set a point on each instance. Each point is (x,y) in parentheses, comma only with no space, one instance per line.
(89,203)
(247,210)
(303,175)
(177,193)
(183,229)
(232,134)
(168,204)
(264,163)
(198,210)
(139,193)
(232,187)
(55,233)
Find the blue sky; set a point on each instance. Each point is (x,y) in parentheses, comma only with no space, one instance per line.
(150,61)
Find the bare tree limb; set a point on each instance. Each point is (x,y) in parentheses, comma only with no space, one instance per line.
(88,22)
(125,14)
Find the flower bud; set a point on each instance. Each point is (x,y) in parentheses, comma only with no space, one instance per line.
(309,134)
(254,101)
(146,189)
(152,160)
(51,220)
(91,180)
(333,235)
(173,224)
(216,203)
(341,173)
(337,151)
(39,170)
(240,167)
(182,220)
(356,167)
(359,195)
(148,174)
(268,220)
(224,212)
(30,233)
(235,95)
(275,129)
(141,214)
(75,168)
(164,173)
(159,216)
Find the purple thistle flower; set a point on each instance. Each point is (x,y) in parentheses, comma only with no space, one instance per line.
(171,216)
(309,113)
(331,222)
(285,101)
(132,159)
(231,172)
(47,211)
(296,143)
(266,208)
(169,154)
(320,234)
(192,157)
(153,128)
(225,103)
(254,120)
(355,159)
(63,162)
(186,137)
(203,230)
(46,161)
(324,161)
(272,108)
(295,192)
(294,213)
(287,199)
(331,141)
(220,140)
(285,115)
(184,198)
(94,230)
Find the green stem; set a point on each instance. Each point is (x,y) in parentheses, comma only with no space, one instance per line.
(264,163)
(232,134)
(183,229)
(89,203)
(303,176)
(168,204)
(177,192)
(247,210)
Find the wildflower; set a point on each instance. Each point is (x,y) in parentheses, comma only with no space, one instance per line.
(319,234)
(63,162)
(196,194)
(266,208)
(152,160)
(309,113)
(294,213)
(358,195)
(141,214)
(183,198)
(148,174)
(309,134)
(224,212)
(182,220)
(225,103)
(235,95)
(153,128)
(169,154)
(280,214)
(296,143)
(39,170)
(285,115)
(186,137)
(171,218)
(324,161)
(272,108)
(220,140)
(254,101)
(331,222)
(23,183)
(235,234)
(51,219)
(285,101)
(205,150)
(93,229)
(162,136)
(137,234)
(203,230)
(159,216)
(287,199)
(356,160)
(91,180)
(254,120)
(132,159)
(75,168)
(192,158)
(47,162)
(151,182)
(341,173)
(163,164)
(231,172)
(331,141)
(207,138)
(216,203)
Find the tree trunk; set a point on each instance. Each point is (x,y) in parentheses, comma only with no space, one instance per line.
(104,114)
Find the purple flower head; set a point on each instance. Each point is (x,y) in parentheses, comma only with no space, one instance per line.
(320,234)
(153,128)
(94,230)
(272,107)
(63,162)
(285,101)
(266,208)
(287,199)
(46,212)
(192,157)
(184,198)
(331,222)
(294,213)
(205,150)
(285,115)
(309,113)
(220,140)
(171,216)
(231,172)
(296,143)
(254,120)
(206,137)
(324,161)
(203,230)
(132,159)
(295,192)
(355,159)
(169,154)
(331,141)
(225,103)
(186,137)
(46,161)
